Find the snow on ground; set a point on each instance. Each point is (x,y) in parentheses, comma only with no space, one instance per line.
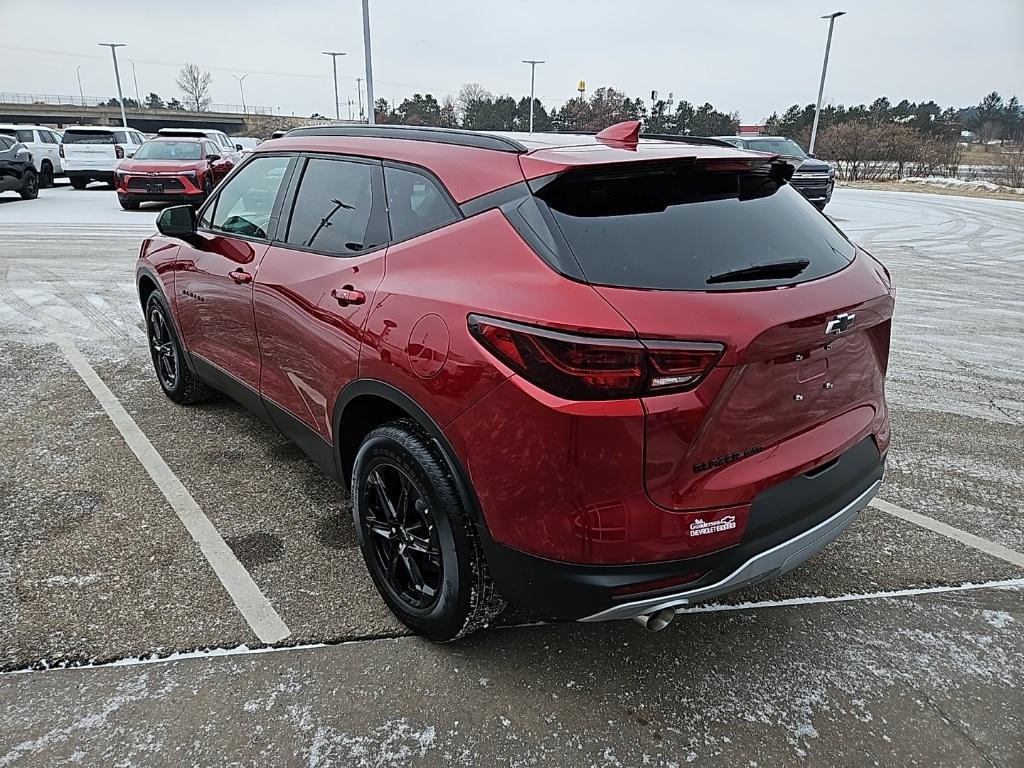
(950,183)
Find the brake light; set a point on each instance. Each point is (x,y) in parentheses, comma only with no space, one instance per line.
(591,368)
(119,151)
(61,150)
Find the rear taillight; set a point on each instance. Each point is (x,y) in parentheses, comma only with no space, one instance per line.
(61,150)
(591,368)
(119,151)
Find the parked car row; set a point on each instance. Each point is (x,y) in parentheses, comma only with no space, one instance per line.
(174,165)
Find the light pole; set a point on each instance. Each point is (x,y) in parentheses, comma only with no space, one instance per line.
(117,76)
(241,90)
(81,93)
(334,63)
(369,62)
(824,68)
(138,100)
(533,69)
(359,91)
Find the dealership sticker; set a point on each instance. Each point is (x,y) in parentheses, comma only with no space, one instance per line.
(701,527)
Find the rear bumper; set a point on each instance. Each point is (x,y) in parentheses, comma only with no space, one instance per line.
(788,523)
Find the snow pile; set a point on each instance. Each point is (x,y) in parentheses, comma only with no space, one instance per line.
(950,183)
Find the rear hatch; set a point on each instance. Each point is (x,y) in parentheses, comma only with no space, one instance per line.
(90,150)
(728,252)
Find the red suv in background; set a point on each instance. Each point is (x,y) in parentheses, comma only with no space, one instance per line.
(170,170)
(601,377)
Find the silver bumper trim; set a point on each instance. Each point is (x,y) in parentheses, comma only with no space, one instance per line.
(772,562)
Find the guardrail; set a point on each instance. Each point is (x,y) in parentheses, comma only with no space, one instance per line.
(92,101)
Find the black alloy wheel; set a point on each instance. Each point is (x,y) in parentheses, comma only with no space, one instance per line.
(419,542)
(176,379)
(161,347)
(30,187)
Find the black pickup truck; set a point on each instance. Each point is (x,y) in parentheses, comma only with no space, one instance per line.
(813,178)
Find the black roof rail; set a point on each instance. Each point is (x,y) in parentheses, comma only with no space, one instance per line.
(415,133)
(688,139)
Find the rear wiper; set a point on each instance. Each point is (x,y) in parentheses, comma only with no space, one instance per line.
(777,269)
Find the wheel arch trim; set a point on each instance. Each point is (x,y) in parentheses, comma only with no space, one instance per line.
(393,395)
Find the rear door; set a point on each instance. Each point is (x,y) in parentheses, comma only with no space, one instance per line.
(215,272)
(89,150)
(315,287)
(713,255)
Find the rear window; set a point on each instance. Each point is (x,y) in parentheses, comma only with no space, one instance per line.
(679,228)
(88,137)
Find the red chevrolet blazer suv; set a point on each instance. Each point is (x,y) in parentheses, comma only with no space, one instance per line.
(600,377)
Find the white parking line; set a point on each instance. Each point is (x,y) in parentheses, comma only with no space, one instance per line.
(251,602)
(976,542)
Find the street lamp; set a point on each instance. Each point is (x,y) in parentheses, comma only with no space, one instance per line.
(824,68)
(138,100)
(81,93)
(533,69)
(334,62)
(117,76)
(369,62)
(241,90)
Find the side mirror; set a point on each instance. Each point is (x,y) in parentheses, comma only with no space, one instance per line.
(811,154)
(238,147)
(213,158)
(177,221)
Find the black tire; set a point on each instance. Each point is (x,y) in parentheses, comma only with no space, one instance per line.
(431,529)
(128,205)
(78,182)
(176,379)
(29,186)
(46,175)
(207,189)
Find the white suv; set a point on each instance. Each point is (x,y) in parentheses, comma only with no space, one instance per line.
(92,152)
(44,144)
(229,150)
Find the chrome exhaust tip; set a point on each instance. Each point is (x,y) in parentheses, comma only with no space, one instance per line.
(656,621)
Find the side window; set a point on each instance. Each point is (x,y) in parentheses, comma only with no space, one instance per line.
(415,204)
(245,204)
(120,137)
(339,208)
(48,137)
(5,143)
(209,149)
(225,141)
(25,136)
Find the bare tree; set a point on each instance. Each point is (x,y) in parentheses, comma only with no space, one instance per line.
(195,84)
(470,96)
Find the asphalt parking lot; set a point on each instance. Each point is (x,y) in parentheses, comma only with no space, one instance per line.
(901,644)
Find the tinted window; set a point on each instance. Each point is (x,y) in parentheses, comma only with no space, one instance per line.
(676,227)
(168,150)
(777,146)
(5,143)
(26,136)
(88,137)
(48,138)
(415,204)
(339,208)
(245,204)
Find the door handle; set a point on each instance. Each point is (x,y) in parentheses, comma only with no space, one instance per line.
(348,295)
(240,276)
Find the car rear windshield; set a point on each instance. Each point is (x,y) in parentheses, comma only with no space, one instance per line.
(676,228)
(88,137)
(169,150)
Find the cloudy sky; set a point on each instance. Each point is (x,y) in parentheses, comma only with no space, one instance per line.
(751,56)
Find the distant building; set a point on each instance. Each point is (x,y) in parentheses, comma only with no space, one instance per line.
(750,130)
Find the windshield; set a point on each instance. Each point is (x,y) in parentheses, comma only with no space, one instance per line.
(677,228)
(169,150)
(88,137)
(777,147)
